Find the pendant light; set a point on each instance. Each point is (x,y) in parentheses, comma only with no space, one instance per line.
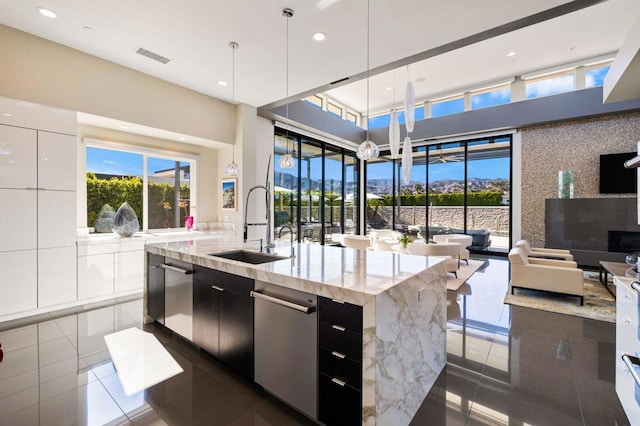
(367,149)
(394,125)
(409,121)
(287,161)
(232,168)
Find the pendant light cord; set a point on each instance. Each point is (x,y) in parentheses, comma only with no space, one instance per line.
(288,13)
(368,69)
(234,46)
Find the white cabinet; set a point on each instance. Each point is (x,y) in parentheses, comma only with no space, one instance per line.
(18,148)
(18,213)
(56,161)
(95,275)
(19,283)
(57,282)
(56,219)
(129,271)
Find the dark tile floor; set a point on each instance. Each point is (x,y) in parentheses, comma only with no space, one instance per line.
(506,366)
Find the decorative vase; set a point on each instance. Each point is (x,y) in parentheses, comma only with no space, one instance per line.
(565,184)
(125,222)
(188,222)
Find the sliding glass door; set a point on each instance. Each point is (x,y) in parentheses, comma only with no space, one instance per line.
(316,197)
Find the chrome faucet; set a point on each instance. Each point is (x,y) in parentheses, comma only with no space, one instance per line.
(269,242)
(293,252)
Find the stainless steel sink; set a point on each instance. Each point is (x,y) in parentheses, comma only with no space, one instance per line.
(253,257)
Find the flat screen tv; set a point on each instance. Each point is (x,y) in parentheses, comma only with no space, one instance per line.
(614,177)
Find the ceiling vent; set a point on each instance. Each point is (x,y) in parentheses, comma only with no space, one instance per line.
(152,55)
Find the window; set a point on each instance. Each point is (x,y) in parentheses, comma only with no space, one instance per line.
(352,118)
(378,121)
(314,100)
(595,76)
(156,186)
(492,97)
(334,109)
(550,85)
(446,107)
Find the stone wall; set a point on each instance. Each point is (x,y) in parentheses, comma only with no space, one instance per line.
(571,145)
(495,219)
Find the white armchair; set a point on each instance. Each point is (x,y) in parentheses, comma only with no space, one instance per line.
(543,252)
(449,250)
(544,274)
(464,240)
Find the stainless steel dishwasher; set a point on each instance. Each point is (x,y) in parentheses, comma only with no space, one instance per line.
(178,297)
(286,345)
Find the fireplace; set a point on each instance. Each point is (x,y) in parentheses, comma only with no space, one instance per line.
(624,241)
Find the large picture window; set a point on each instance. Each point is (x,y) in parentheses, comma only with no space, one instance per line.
(157,185)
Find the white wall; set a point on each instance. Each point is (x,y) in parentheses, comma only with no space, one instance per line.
(40,71)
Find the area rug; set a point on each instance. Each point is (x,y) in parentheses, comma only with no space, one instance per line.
(598,303)
(464,273)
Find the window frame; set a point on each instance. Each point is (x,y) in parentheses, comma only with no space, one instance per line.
(146,153)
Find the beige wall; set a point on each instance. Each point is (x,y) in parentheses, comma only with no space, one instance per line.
(572,145)
(40,71)
(206,191)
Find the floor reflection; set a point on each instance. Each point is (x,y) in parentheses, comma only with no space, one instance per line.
(514,365)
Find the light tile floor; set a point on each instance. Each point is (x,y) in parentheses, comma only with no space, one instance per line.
(506,366)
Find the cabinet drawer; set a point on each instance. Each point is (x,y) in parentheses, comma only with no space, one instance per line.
(342,314)
(338,405)
(339,366)
(346,341)
(228,282)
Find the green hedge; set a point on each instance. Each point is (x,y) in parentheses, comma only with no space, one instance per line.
(116,191)
(450,199)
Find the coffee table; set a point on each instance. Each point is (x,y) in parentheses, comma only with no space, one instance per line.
(616,269)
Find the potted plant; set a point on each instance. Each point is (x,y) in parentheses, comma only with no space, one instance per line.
(404,240)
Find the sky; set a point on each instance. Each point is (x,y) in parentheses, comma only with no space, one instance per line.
(106,161)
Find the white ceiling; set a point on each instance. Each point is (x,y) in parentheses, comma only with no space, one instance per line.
(195,34)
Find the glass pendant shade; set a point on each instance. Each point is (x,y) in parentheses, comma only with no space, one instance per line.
(409,107)
(232,169)
(287,162)
(394,133)
(367,150)
(407,160)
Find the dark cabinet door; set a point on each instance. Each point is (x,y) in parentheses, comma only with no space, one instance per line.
(236,323)
(206,309)
(155,287)
(223,317)
(339,403)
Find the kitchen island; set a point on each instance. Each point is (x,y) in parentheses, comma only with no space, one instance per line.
(402,300)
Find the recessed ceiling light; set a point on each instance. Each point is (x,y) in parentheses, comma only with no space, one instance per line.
(510,54)
(7,114)
(222,83)
(319,36)
(124,127)
(182,139)
(46,12)
(388,88)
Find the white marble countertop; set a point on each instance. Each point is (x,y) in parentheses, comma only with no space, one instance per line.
(354,276)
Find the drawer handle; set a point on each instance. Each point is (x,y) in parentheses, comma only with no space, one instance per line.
(338,355)
(337,327)
(338,301)
(176,269)
(636,286)
(217,288)
(338,382)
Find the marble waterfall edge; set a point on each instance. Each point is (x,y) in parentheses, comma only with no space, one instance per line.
(410,345)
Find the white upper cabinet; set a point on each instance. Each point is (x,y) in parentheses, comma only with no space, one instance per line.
(18,220)
(18,151)
(56,161)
